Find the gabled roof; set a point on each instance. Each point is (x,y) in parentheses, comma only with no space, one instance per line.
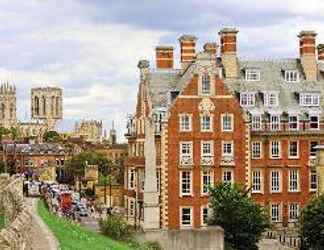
(44,148)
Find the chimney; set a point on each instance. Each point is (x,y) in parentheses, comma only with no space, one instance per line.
(320,51)
(211,48)
(188,49)
(307,54)
(164,57)
(228,51)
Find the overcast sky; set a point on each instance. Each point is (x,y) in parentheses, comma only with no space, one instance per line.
(90,48)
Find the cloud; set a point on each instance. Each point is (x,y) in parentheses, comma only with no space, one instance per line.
(91,48)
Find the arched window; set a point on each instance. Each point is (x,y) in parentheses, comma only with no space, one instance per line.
(12,108)
(3,110)
(57,106)
(205,84)
(44,105)
(53,105)
(36,103)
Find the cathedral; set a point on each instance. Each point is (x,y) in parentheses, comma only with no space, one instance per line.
(46,110)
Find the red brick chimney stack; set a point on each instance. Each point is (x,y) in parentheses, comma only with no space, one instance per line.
(188,49)
(307,52)
(320,51)
(164,57)
(228,43)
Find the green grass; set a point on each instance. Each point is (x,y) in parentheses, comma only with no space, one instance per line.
(2,221)
(75,237)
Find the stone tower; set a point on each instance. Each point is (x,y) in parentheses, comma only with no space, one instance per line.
(7,105)
(46,104)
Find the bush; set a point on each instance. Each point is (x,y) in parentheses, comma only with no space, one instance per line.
(152,245)
(115,227)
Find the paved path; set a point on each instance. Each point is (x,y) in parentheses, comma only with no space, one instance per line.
(41,237)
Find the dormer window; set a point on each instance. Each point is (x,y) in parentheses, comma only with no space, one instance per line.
(247,99)
(271,99)
(309,99)
(291,76)
(205,84)
(252,75)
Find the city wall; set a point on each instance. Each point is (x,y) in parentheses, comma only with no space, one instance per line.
(211,238)
(15,235)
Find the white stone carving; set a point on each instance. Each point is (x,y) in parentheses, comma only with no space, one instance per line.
(206,106)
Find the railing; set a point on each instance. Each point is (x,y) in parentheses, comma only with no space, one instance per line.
(285,127)
(227,161)
(207,160)
(186,160)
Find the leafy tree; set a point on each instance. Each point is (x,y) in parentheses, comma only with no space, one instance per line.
(4,131)
(311,223)
(51,137)
(242,220)
(2,167)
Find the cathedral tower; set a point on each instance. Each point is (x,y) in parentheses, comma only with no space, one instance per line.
(46,104)
(7,105)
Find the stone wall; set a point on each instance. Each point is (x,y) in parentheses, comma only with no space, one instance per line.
(15,235)
(211,238)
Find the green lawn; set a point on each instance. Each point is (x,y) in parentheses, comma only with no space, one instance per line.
(74,237)
(2,221)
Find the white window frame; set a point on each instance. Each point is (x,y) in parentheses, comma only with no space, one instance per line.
(191,217)
(256,122)
(131,178)
(278,145)
(313,173)
(275,185)
(291,76)
(202,208)
(257,181)
(317,123)
(203,127)
(275,207)
(207,156)
(228,170)
(309,99)
(185,126)
(311,154)
(292,123)
(188,155)
(203,78)
(293,212)
(131,210)
(254,151)
(247,99)
(209,174)
(275,122)
(290,156)
(252,75)
(227,120)
(293,180)
(271,99)
(181,179)
(225,154)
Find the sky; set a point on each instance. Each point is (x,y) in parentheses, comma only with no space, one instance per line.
(90,48)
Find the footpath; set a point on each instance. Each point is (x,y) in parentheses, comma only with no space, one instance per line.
(41,236)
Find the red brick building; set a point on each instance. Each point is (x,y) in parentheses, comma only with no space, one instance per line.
(222,119)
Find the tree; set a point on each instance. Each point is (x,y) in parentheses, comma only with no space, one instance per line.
(4,131)
(2,167)
(311,224)
(242,220)
(51,137)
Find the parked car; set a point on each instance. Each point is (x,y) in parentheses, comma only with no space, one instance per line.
(81,210)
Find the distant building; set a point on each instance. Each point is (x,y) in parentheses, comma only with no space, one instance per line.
(222,119)
(46,110)
(90,131)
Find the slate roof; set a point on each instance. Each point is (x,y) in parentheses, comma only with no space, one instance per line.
(44,148)
(161,82)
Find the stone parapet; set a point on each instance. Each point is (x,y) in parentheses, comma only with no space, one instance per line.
(15,236)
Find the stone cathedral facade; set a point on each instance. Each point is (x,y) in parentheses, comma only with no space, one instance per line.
(46,110)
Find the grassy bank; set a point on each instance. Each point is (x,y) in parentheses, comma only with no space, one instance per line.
(2,221)
(75,237)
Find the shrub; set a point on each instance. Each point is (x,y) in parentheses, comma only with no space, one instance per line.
(152,245)
(115,227)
